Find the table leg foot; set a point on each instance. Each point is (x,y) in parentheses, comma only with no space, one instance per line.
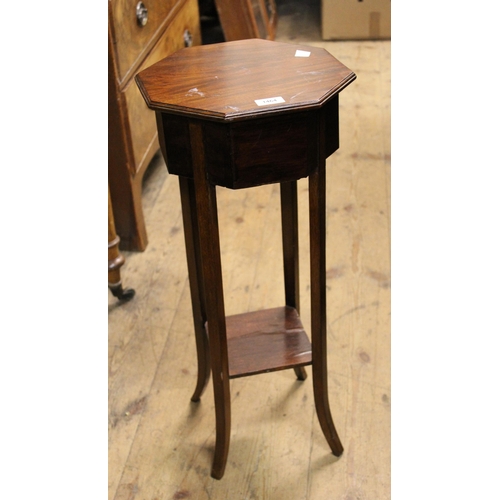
(202,347)
(326,421)
(120,293)
(300,372)
(223,428)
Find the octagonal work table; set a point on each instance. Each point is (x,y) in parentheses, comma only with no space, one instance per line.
(243,114)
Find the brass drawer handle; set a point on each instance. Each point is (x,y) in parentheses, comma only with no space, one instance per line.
(142,14)
(188,39)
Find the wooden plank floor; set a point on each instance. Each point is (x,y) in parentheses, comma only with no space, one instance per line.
(160,443)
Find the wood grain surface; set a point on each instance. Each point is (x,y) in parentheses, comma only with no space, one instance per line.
(224,81)
(266,340)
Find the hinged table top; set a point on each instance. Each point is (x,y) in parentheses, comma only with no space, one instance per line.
(241,79)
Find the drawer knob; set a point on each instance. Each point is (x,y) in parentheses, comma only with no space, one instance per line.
(188,39)
(142,14)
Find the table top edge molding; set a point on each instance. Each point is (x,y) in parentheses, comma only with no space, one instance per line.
(245,114)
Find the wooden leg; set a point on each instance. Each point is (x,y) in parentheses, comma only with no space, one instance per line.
(290,234)
(126,195)
(317,229)
(206,205)
(192,240)
(115,260)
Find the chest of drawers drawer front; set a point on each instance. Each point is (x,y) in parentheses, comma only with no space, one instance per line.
(141,119)
(132,40)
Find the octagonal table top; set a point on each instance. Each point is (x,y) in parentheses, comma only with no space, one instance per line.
(242,79)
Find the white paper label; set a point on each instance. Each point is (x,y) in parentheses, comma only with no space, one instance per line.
(302,53)
(269,100)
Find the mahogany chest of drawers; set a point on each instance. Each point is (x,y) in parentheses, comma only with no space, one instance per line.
(139,34)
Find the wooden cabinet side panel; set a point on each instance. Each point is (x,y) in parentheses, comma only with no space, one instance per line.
(127,212)
(118,129)
(132,133)
(331,117)
(141,118)
(277,149)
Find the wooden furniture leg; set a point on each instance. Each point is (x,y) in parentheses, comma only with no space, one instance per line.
(192,239)
(206,205)
(317,230)
(290,235)
(115,260)
(126,195)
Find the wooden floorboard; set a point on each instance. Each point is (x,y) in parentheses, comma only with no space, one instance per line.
(160,443)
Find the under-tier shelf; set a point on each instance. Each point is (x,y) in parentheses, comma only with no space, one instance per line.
(265,341)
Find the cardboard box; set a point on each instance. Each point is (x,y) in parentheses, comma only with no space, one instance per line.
(356,19)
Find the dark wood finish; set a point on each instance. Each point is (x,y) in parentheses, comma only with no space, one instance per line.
(192,239)
(317,235)
(213,132)
(247,153)
(132,133)
(256,153)
(206,205)
(222,81)
(242,19)
(290,239)
(115,260)
(266,341)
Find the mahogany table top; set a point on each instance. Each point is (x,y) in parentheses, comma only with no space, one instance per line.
(241,79)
